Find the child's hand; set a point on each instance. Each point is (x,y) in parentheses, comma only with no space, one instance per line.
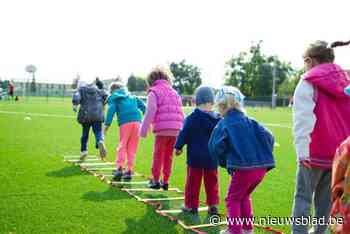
(178,152)
(306,163)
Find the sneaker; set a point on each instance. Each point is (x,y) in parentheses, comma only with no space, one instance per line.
(154,185)
(102,149)
(127,175)
(83,155)
(189,210)
(213,210)
(250,231)
(117,175)
(165,186)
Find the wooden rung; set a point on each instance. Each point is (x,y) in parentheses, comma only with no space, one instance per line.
(150,190)
(101,168)
(162,199)
(207,225)
(129,182)
(176,211)
(96,164)
(85,160)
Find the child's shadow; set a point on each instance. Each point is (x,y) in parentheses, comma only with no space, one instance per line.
(151,222)
(108,195)
(66,172)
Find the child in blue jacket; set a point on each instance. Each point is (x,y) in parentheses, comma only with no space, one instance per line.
(245,148)
(195,134)
(128,110)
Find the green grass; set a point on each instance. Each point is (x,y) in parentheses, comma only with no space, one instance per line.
(39,193)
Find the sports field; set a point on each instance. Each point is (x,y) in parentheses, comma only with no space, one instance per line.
(40,193)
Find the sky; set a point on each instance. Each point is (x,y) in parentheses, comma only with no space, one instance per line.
(103,38)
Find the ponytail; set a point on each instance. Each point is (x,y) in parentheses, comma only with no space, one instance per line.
(339,43)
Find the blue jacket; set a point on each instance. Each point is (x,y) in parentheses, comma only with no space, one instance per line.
(195,134)
(240,142)
(126,107)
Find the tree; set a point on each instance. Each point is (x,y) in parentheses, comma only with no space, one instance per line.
(252,71)
(132,83)
(187,77)
(136,84)
(286,89)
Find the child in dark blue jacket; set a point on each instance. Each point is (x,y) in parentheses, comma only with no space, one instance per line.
(195,134)
(245,148)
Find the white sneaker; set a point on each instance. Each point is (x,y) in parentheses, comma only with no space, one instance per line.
(83,155)
(102,149)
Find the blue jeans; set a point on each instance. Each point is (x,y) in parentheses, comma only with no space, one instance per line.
(96,128)
(312,185)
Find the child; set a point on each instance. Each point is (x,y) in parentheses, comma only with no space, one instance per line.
(164,111)
(128,110)
(195,134)
(341,188)
(245,148)
(321,114)
(91,101)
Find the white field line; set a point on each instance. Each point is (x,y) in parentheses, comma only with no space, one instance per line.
(38,114)
(277,125)
(73,117)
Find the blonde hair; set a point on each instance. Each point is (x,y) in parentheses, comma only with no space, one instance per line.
(230,98)
(158,73)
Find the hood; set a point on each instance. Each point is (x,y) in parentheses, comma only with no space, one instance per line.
(118,94)
(330,78)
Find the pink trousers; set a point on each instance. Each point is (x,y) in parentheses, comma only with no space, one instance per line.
(163,157)
(238,202)
(129,140)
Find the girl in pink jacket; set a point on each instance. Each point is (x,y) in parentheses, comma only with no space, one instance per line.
(321,114)
(164,112)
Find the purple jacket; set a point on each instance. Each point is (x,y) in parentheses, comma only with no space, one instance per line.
(169,115)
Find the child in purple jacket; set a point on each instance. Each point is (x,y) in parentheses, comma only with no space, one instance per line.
(164,111)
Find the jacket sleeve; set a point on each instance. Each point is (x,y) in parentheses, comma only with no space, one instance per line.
(110,114)
(76,98)
(304,118)
(218,144)
(141,105)
(182,139)
(149,115)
